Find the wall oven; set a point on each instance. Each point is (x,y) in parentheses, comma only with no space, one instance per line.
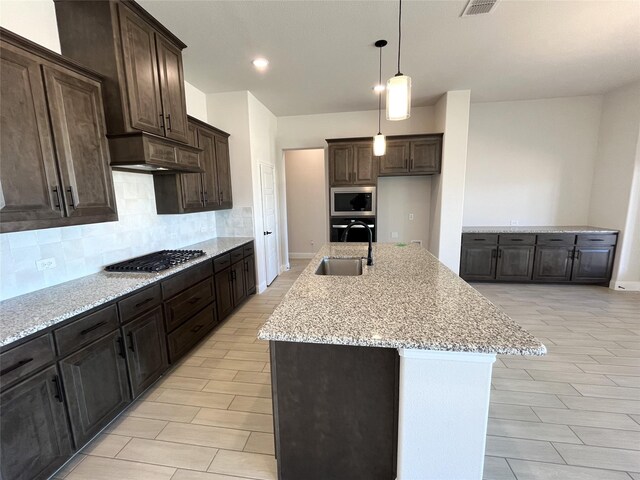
(357,233)
(353,201)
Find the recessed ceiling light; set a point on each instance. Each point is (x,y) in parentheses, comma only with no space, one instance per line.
(379,88)
(261,63)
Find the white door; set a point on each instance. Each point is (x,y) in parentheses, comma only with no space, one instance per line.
(268,183)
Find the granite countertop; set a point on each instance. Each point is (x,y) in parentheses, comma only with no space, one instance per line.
(408,299)
(32,312)
(539,229)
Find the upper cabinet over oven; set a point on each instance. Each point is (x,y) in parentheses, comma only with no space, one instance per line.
(53,149)
(144,88)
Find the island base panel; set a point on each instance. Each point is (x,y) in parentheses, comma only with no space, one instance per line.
(335,411)
(443,411)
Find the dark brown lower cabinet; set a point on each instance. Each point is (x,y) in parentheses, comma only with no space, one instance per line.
(224,293)
(34,434)
(146,350)
(592,264)
(250,274)
(515,263)
(188,334)
(237,282)
(478,263)
(96,385)
(553,264)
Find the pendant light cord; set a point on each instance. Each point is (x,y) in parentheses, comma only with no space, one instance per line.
(399,34)
(379,93)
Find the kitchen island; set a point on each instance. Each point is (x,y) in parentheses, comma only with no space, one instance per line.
(386,374)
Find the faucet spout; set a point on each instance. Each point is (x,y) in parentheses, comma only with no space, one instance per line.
(370,249)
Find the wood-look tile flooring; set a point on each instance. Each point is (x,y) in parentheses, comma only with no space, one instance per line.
(574,414)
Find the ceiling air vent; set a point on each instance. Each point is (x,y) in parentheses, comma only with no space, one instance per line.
(478,7)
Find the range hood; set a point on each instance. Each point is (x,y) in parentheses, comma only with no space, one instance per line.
(144,152)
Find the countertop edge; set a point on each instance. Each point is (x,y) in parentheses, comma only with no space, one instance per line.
(541,229)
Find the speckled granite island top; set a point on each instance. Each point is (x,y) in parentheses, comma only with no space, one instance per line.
(539,229)
(407,299)
(27,314)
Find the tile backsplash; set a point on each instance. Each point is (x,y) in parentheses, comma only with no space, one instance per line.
(85,249)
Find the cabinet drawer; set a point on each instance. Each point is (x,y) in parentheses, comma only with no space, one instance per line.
(161,151)
(184,337)
(480,238)
(186,279)
(237,255)
(86,330)
(28,357)
(517,239)
(184,305)
(597,239)
(558,239)
(221,262)
(249,249)
(139,303)
(188,157)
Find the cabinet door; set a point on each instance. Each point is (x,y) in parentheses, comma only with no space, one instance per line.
(425,156)
(395,160)
(250,274)
(478,263)
(365,165)
(29,181)
(207,142)
(141,72)
(224,293)
(146,350)
(223,170)
(172,93)
(96,385)
(515,263)
(340,165)
(553,264)
(77,118)
(237,277)
(34,435)
(192,183)
(592,264)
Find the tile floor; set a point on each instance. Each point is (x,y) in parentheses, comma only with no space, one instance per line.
(574,414)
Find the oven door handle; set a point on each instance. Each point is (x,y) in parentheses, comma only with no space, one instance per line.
(355,226)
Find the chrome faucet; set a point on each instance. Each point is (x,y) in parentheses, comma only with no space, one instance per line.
(370,251)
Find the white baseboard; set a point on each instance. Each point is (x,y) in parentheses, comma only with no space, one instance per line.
(262,287)
(301,256)
(625,286)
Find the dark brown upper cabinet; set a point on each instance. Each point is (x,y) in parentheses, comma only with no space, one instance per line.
(412,155)
(144,88)
(199,192)
(352,164)
(54,153)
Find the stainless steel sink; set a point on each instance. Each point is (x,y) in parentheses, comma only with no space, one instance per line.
(340,266)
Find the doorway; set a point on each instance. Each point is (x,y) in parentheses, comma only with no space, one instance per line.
(269,224)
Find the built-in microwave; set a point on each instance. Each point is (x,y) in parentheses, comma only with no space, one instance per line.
(353,201)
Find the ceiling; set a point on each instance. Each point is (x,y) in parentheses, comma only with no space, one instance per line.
(323,59)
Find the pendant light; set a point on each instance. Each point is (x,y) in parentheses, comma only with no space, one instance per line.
(399,86)
(379,142)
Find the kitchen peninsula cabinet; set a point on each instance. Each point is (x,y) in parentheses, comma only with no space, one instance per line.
(54,152)
(199,192)
(144,87)
(577,257)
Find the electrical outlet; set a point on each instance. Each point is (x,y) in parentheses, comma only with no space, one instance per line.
(411,216)
(419,242)
(46,264)
(394,234)
(313,243)
(515,223)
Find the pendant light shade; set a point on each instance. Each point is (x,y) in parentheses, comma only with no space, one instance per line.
(399,97)
(379,145)
(379,142)
(399,86)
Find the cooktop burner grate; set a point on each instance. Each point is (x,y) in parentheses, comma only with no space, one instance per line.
(155,262)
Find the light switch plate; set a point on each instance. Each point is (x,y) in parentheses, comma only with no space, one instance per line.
(394,234)
(46,264)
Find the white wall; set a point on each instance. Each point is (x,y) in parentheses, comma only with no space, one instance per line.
(531,161)
(447,193)
(616,181)
(397,198)
(82,250)
(306,202)
(310,131)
